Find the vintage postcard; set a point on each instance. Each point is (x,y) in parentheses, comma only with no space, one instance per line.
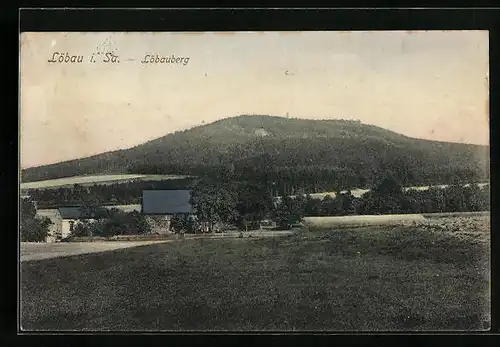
(254,181)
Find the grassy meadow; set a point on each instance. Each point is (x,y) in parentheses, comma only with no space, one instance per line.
(96,179)
(369,278)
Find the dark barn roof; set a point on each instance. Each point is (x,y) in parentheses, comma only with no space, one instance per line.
(166,201)
(69,212)
(76,213)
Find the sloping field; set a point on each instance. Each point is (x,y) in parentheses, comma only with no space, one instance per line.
(98,179)
(369,279)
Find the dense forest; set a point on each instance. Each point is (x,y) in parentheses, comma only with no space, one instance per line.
(296,154)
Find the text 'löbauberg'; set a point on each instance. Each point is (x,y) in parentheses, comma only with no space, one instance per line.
(157,59)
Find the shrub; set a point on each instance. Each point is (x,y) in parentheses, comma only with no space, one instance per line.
(183,223)
(33,228)
(116,223)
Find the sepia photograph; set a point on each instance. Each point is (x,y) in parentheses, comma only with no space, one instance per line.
(320,181)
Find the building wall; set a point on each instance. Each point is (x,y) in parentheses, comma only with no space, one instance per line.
(159,223)
(216,227)
(66,226)
(51,238)
(54,230)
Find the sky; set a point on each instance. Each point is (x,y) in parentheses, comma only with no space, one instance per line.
(425,84)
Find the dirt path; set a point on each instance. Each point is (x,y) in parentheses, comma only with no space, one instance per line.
(39,251)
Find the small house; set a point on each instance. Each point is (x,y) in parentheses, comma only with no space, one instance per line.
(70,216)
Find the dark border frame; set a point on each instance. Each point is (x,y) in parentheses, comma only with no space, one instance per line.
(284,20)
(247,19)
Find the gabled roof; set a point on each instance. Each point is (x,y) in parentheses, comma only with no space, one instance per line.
(166,201)
(69,212)
(76,213)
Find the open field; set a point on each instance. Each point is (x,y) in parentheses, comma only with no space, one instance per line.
(97,179)
(404,277)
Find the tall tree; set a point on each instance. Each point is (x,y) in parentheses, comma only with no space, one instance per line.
(313,206)
(346,203)
(254,203)
(214,202)
(289,211)
(386,198)
(329,206)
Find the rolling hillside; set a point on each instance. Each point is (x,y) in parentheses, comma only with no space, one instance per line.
(346,151)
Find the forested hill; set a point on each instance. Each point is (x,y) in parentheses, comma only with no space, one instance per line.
(347,153)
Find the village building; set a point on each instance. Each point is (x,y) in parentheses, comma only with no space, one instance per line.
(64,220)
(70,216)
(159,206)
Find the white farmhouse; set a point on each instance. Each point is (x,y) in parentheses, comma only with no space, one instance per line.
(64,220)
(70,216)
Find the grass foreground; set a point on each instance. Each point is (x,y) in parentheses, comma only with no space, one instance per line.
(374,278)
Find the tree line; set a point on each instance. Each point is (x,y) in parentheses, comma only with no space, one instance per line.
(389,198)
(246,205)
